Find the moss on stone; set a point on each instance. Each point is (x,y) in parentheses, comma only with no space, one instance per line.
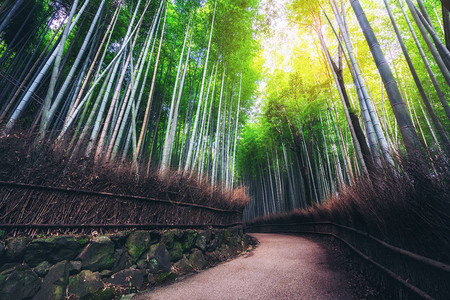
(52,249)
(16,248)
(137,243)
(168,239)
(105,294)
(189,240)
(109,261)
(196,260)
(141,263)
(176,253)
(57,292)
(226,236)
(201,242)
(42,269)
(98,255)
(162,257)
(48,240)
(178,233)
(164,277)
(83,240)
(84,284)
(152,265)
(18,282)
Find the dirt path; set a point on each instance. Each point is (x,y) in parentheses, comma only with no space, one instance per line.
(281,267)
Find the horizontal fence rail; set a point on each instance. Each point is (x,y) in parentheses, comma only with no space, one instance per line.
(115,226)
(32,208)
(418,276)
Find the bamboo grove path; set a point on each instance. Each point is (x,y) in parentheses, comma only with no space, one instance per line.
(281,267)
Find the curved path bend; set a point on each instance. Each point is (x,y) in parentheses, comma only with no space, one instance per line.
(281,267)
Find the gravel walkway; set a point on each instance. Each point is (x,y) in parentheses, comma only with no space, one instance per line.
(281,267)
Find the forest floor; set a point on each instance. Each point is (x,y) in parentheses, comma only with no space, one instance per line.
(281,267)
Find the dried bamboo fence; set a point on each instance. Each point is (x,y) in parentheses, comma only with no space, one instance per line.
(406,274)
(33,208)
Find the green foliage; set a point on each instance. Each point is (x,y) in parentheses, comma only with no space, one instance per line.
(289,106)
(301,107)
(251,148)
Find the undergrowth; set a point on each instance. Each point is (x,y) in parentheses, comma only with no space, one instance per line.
(49,165)
(408,208)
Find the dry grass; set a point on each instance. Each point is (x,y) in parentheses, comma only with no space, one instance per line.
(239,196)
(410,209)
(48,165)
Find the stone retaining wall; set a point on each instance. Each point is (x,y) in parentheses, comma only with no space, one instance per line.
(104,266)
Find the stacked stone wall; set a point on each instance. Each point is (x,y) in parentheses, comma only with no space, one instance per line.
(105,266)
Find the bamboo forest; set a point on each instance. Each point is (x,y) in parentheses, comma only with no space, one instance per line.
(294,99)
(212,87)
(317,110)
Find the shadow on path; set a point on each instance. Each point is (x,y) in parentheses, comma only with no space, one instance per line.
(281,267)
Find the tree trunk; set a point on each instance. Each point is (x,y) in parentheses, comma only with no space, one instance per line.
(10,14)
(427,64)
(194,130)
(173,112)
(152,89)
(359,140)
(374,132)
(422,93)
(94,61)
(52,111)
(434,52)
(446,21)
(445,54)
(409,134)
